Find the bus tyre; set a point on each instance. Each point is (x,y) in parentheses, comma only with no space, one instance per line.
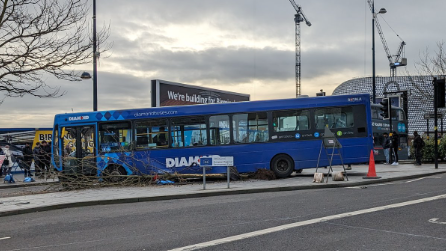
(112,173)
(282,165)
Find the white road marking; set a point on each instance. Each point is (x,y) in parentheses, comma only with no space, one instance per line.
(303,223)
(422,178)
(374,185)
(409,181)
(5,238)
(434,220)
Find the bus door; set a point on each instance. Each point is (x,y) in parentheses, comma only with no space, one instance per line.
(79,151)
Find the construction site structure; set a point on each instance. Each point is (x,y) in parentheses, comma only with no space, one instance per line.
(298,18)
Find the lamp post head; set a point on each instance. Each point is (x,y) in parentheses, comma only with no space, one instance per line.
(382,11)
(85,75)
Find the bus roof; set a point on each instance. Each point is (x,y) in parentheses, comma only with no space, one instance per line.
(208,109)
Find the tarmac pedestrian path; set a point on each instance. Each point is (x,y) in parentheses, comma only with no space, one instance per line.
(115,195)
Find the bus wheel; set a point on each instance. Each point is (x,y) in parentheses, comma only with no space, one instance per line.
(282,165)
(112,173)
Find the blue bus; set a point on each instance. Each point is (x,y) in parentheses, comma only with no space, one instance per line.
(280,135)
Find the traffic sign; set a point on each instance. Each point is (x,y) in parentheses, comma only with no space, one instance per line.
(206,161)
(217,161)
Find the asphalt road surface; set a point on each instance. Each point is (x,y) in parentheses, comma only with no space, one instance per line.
(403,215)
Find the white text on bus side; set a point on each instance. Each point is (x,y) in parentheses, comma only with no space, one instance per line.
(179,162)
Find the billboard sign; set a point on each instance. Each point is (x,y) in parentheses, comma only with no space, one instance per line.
(42,135)
(165,93)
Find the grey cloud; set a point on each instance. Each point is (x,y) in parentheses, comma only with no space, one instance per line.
(115,91)
(334,22)
(231,65)
(338,41)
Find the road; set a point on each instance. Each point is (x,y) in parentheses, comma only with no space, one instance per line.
(403,215)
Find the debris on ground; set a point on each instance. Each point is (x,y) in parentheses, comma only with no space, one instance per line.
(264,174)
(234,174)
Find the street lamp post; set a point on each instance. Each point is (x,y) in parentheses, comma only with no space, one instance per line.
(86,75)
(381,11)
(95,66)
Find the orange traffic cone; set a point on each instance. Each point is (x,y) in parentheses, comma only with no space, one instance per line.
(372,173)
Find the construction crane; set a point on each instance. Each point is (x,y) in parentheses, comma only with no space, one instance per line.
(298,18)
(394,60)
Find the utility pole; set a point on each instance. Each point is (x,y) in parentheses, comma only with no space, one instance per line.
(439,102)
(95,64)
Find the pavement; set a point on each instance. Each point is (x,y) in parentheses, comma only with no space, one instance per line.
(116,195)
(19,178)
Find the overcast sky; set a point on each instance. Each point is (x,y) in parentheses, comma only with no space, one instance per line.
(245,46)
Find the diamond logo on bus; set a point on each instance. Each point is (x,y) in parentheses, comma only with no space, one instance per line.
(339,133)
(316,134)
(78,118)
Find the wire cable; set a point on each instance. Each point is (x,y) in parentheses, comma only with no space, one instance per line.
(391,28)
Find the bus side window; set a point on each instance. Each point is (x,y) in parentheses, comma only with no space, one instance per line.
(188,131)
(258,127)
(151,134)
(240,128)
(285,121)
(336,117)
(290,120)
(115,136)
(303,122)
(250,127)
(320,122)
(219,130)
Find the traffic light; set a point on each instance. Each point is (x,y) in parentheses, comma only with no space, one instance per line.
(439,92)
(385,108)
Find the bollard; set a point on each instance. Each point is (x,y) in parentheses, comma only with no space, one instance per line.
(228,173)
(204,178)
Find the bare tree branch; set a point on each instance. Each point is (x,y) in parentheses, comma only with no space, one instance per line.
(433,66)
(40,37)
(427,68)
